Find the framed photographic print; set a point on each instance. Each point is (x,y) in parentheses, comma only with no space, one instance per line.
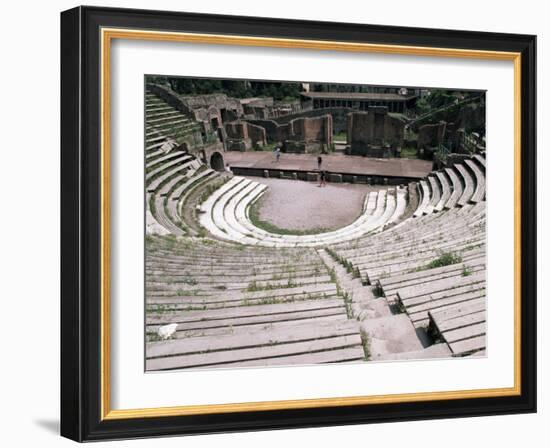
(276,224)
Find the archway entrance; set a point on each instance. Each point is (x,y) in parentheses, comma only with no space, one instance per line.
(216,162)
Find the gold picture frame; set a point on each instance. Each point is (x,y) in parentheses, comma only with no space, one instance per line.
(117,27)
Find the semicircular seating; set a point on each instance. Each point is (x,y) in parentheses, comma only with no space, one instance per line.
(224,215)
(242,296)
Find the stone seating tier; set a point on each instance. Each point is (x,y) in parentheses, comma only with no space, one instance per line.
(226,217)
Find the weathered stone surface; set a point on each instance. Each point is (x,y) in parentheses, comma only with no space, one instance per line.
(431,135)
(312,177)
(242,136)
(374,133)
(300,135)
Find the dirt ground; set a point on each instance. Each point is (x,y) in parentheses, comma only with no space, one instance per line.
(300,205)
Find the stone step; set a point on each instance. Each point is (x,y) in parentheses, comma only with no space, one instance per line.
(165,158)
(457,188)
(424,194)
(459,323)
(261,284)
(468,183)
(180,161)
(247,260)
(253,338)
(469,346)
(177,169)
(168,126)
(480,161)
(266,352)
(445,190)
(223,326)
(436,192)
(334,355)
(154,108)
(418,251)
(408,293)
(451,219)
(479,192)
(401,205)
(421,234)
(226,218)
(432,352)
(159,118)
(391,334)
(168,110)
(260,311)
(235,269)
(374,274)
(168,304)
(419,313)
(152,147)
(459,316)
(163,219)
(391,284)
(155,139)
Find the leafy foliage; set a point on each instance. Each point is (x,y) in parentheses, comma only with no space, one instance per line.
(234,88)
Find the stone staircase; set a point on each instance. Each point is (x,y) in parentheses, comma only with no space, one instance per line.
(167,127)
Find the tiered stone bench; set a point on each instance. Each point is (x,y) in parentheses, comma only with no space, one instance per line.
(166,189)
(457,188)
(400,206)
(244,306)
(225,216)
(479,192)
(248,297)
(448,300)
(415,241)
(451,187)
(446,191)
(480,160)
(424,195)
(468,182)
(436,192)
(164,121)
(168,178)
(462,327)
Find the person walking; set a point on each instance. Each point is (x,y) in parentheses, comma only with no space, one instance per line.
(319,163)
(322,178)
(278,153)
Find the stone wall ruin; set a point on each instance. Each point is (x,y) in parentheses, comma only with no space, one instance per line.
(243,136)
(374,133)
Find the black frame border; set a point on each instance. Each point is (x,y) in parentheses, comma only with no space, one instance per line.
(81,223)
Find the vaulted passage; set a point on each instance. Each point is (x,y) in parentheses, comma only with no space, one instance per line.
(216,162)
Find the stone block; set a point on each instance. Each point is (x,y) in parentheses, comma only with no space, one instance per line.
(336,178)
(312,177)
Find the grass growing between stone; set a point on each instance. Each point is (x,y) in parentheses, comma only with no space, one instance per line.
(366,344)
(444,259)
